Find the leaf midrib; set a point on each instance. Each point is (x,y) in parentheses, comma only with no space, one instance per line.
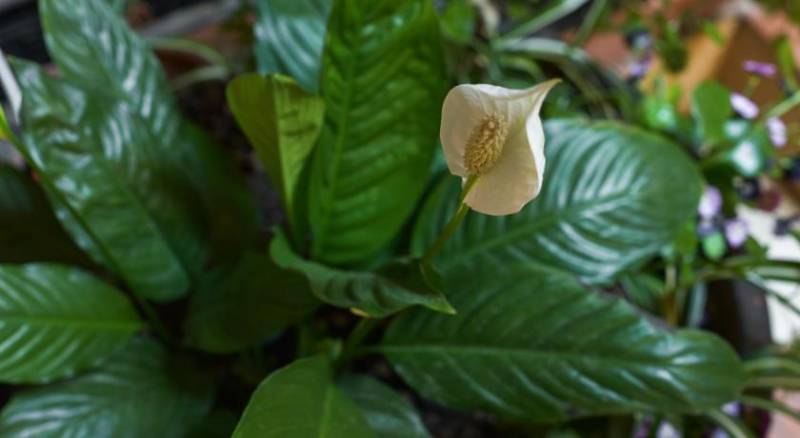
(514,233)
(58,321)
(485,350)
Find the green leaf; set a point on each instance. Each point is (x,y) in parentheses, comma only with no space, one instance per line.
(534,345)
(458,21)
(644,290)
(290,35)
(711,107)
(240,306)
(282,123)
(383,82)
(376,294)
(82,151)
(608,202)
(301,401)
(94,48)
(138,392)
(28,229)
(389,414)
(56,320)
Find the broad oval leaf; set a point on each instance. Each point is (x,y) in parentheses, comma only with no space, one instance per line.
(282,123)
(534,345)
(290,35)
(711,107)
(612,197)
(83,152)
(375,294)
(56,320)
(383,82)
(387,412)
(240,306)
(95,48)
(301,401)
(138,392)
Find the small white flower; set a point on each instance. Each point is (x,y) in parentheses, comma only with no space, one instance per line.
(496,134)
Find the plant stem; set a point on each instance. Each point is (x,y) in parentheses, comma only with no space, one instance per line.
(785,106)
(152,316)
(453,224)
(354,340)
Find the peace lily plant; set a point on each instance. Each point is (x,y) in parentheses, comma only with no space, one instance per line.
(161,279)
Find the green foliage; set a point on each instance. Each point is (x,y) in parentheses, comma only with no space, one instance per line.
(290,35)
(534,345)
(282,123)
(382,83)
(609,202)
(711,106)
(572,308)
(301,400)
(140,391)
(56,320)
(241,306)
(388,413)
(377,294)
(95,49)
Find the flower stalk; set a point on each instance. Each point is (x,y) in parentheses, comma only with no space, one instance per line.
(453,223)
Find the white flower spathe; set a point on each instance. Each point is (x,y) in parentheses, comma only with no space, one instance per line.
(495,133)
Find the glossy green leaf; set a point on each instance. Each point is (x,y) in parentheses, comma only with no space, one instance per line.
(458,21)
(240,306)
(383,82)
(301,401)
(138,392)
(28,229)
(711,107)
(82,151)
(644,290)
(534,345)
(56,320)
(609,201)
(376,294)
(388,413)
(94,48)
(282,123)
(290,35)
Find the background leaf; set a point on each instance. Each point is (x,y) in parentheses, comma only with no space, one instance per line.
(383,82)
(138,392)
(282,123)
(711,107)
(370,293)
(28,229)
(533,345)
(609,201)
(56,320)
(290,35)
(83,152)
(94,48)
(388,413)
(300,400)
(243,305)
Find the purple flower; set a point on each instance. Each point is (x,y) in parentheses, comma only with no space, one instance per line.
(637,69)
(732,408)
(764,69)
(710,203)
(736,232)
(744,106)
(777,131)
